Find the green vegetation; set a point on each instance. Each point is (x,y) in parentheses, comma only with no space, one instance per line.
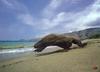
(94,36)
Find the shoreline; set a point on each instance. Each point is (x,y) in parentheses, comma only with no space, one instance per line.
(16,50)
(11,56)
(8,54)
(74,60)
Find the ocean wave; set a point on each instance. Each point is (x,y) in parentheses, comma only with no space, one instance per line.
(18,50)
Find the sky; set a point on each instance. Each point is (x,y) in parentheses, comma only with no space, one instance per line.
(27,19)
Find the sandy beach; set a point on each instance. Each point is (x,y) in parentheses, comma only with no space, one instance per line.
(85,59)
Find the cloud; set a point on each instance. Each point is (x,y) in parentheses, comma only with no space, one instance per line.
(50,17)
(22,13)
(74,21)
(15,5)
(70,21)
(55,20)
(82,19)
(52,8)
(6,2)
(26,19)
(96,23)
(75,1)
(51,23)
(49,10)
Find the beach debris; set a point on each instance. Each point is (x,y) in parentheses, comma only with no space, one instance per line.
(95,67)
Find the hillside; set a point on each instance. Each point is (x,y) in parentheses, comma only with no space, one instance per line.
(85,34)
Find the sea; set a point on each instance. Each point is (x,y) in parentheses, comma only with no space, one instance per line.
(15,46)
(14,49)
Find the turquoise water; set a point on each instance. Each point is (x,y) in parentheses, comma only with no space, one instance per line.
(12,49)
(4,45)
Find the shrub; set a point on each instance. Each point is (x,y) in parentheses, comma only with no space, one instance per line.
(94,36)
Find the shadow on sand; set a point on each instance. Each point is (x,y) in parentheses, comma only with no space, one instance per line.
(61,50)
(53,52)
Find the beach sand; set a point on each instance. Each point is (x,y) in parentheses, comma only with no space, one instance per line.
(85,59)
